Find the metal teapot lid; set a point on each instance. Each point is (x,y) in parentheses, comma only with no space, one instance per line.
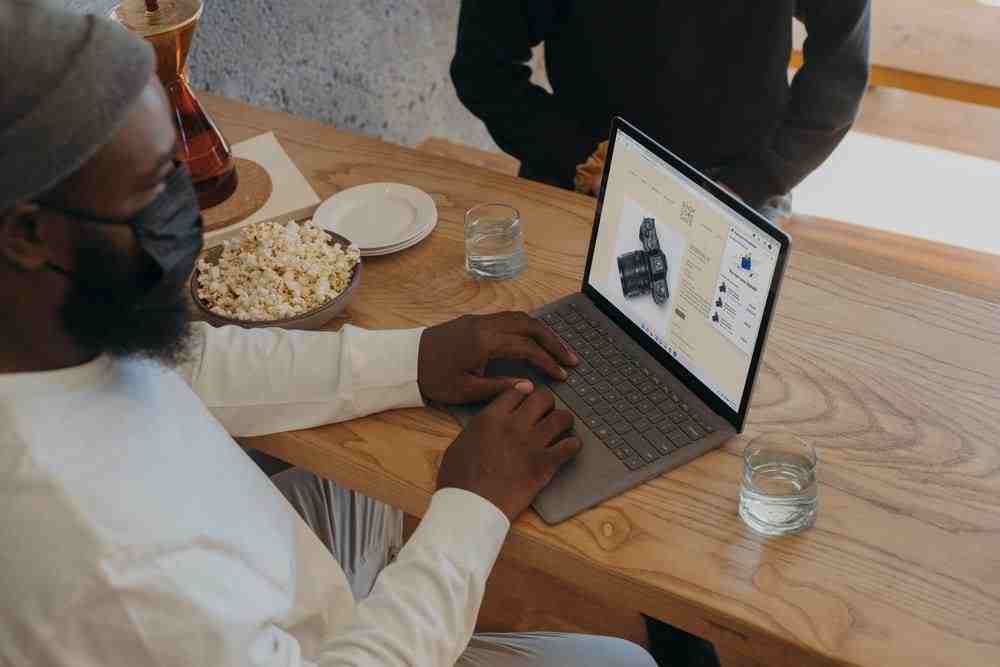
(153,17)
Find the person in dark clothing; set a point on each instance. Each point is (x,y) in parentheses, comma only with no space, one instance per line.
(708,80)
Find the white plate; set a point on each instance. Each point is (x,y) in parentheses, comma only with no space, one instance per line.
(378,216)
(402,246)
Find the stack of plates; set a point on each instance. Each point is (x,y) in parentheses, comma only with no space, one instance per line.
(379,218)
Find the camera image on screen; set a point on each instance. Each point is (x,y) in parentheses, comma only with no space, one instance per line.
(645,271)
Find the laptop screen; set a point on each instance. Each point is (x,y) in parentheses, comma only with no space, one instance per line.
(690,272)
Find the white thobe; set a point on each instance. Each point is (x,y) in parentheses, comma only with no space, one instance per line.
(134,530)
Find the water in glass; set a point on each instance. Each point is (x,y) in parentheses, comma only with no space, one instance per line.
(494,246)
(778,493)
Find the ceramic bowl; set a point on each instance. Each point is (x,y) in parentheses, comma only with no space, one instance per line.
(312,319)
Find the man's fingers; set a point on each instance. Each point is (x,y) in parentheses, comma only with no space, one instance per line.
(511,346)
(536,406)
(476,388)
(525,325)
(559,454)
(506,402)
(555,425)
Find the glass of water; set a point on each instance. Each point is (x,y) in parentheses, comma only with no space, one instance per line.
(778,491)
(494,245)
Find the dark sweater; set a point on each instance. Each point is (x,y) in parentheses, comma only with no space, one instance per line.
(707,79)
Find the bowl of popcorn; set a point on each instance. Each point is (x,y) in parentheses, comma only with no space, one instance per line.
(291,275)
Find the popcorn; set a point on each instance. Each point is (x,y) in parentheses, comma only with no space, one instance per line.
(275,271)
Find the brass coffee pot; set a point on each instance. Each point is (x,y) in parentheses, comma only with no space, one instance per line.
(169,25)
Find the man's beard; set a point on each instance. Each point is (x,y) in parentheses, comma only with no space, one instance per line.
(112,311)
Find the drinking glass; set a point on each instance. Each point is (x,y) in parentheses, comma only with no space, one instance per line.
(494,245)
(778,491)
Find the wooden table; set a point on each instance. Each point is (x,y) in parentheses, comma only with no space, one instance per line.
(946,48)
(895,382)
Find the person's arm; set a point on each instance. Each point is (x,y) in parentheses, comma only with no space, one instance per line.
(201,605)
(824,100)
(261,381)
(493,82)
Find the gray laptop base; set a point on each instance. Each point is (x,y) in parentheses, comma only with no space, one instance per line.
(598,473)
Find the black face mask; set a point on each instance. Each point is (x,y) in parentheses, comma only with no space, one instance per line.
(113,310)
(168,230)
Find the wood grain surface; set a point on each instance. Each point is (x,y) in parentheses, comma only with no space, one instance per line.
(253,189)
(895,383)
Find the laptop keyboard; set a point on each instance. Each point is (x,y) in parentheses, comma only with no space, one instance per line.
(628,407)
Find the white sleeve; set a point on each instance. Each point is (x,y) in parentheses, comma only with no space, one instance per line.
(424,606)
(199,606)
(260,381)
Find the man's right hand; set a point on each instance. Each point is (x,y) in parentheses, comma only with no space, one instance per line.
(511,450)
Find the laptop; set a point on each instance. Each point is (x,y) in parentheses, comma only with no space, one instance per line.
(670,324)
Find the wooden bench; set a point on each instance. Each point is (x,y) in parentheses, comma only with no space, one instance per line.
(946,48)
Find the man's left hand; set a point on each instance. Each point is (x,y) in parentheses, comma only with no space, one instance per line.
(453,356)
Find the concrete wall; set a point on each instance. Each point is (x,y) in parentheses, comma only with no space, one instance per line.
(373,66)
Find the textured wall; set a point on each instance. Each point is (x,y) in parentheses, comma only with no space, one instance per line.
(373,66)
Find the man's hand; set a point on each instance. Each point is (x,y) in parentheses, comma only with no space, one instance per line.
(453,356)
(510,451)
(595,183)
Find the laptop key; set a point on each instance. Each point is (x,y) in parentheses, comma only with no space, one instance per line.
(704,422)
(647,388)
(615,378)
(571,338)
(621,363)
(642,424)
(623,452)
(621,427)
(634,462)
(603,367)
(602,387)
(576,380)
(662,444)
(678,438)
(659,397)
(631,414)
(605,410)
(594,422)
(677,417)
(642,447)
(613,441)
(644,406)
(693,431)
(593,399)
(633,397)
(603,432)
